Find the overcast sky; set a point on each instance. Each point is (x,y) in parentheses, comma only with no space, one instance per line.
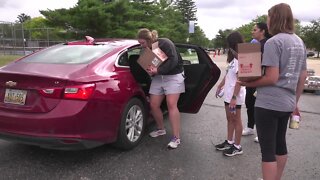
(212,14)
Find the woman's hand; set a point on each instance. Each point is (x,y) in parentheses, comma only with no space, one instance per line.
(296,111)
(270,78)
(152,70)
(232,106)
(219,88)
(242,83)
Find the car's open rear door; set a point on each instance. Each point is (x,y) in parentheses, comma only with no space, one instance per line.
(201,75)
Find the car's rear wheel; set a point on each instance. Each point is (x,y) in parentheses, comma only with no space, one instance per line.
(132,126)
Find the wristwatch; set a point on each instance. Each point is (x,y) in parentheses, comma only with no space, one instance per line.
(234,97)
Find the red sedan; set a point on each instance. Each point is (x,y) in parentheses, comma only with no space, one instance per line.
(84,94)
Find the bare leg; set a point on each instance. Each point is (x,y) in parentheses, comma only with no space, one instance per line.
(230,124)
(281,163)
(238,126)
(174,114)
(155,103)
(269,170)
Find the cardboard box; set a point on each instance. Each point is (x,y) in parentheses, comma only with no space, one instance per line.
(249,57)
(154,57)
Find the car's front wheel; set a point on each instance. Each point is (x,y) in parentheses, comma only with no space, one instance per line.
(132,125)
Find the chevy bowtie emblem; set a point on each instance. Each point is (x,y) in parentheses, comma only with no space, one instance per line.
(11,83)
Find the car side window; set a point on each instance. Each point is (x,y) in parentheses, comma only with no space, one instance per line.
(123,59)
(188,55)
(135,51)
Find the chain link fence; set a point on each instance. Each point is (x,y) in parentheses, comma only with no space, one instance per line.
(15,39)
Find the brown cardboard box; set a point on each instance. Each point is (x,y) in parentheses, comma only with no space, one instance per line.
(249,57)
(154,57)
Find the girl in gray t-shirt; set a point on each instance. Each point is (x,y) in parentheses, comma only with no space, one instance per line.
(278,91)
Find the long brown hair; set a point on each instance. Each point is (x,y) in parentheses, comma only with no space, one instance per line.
(280,19)
(233,40)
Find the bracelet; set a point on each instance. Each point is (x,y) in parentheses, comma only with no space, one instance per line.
(234,97)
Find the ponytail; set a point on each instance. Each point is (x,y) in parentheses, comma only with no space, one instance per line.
(154,34)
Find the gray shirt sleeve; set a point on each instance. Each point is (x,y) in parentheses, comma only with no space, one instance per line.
(271,55)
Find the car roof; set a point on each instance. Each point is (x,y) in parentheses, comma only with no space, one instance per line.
(107,41)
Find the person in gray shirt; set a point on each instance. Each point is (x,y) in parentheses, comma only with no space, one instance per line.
(279,89)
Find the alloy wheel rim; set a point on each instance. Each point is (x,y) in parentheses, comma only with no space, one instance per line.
(134,123)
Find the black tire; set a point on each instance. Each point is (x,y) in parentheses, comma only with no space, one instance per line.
(132,125)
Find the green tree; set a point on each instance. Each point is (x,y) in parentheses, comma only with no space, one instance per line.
(246,29)
(188,9)
(122,19)
(119,18)
(199,38)
(262,18)
(298,27)
(311,35)
(37,28)
(220,41)
(23,18)
(171,25)
(91,17)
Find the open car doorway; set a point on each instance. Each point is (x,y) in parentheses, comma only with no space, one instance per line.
(201,74)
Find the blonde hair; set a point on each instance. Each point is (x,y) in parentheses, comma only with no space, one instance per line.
(281,19)
(146,34)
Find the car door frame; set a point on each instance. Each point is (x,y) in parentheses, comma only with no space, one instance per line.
(200,78)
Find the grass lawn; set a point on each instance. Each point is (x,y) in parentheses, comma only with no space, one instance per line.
(5,59)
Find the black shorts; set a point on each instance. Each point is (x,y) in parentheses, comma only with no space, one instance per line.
(237,106)
(271,128)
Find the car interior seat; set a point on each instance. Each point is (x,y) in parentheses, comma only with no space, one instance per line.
(140,75)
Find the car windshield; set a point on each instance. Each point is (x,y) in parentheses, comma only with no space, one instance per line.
(70,54)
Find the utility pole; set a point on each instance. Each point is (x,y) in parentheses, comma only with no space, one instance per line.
(23,39)
(2,37)
(48,37)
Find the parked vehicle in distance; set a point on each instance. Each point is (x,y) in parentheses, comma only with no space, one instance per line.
(83,94)
(310,72)
(208,50)
(312,84)
(310,54)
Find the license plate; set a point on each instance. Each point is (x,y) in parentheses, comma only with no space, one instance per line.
(14,96)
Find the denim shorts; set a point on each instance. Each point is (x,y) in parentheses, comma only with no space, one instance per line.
(167,84)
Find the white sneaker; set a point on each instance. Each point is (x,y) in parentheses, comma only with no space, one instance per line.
(157,132)
(247,131)
(256,139)
(174,143)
